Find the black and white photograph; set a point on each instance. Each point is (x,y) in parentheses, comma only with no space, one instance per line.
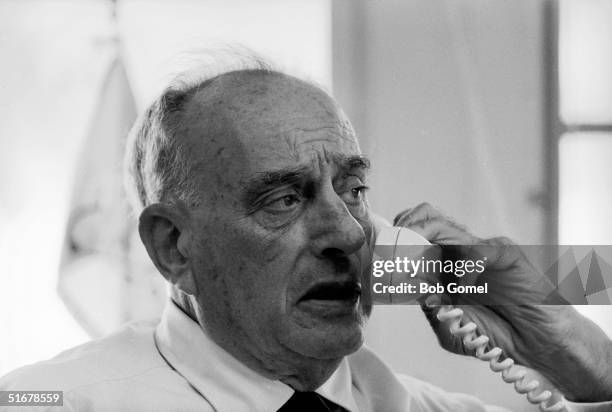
(306,205)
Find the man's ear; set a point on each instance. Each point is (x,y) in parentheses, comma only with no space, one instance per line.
(165,234)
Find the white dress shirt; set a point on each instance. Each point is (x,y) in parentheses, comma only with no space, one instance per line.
(172,365)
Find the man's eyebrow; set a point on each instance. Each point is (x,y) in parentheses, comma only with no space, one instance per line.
(265,180)
(354,162)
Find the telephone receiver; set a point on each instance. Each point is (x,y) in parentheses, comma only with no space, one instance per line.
(392,242)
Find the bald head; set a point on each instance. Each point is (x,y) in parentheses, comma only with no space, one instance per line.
(177,146)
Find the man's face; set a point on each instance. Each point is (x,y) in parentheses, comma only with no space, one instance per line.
(281,241)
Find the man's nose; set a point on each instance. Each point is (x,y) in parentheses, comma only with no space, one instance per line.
(335,231)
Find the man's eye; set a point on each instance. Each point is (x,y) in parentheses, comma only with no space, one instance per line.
(356,194)
(283,204)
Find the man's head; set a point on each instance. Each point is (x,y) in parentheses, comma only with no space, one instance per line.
(251,187)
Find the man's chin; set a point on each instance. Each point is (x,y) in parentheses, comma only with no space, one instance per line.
(328,337)
(329,346)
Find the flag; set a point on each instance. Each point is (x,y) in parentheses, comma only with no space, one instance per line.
(105,276)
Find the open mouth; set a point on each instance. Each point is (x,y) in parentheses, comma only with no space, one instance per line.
(343,292)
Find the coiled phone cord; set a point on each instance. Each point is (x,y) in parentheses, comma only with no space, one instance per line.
(472,341)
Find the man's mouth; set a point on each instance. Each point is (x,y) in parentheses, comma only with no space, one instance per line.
(334,291)
(332,298)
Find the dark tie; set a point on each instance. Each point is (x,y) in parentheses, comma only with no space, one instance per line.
(311,402)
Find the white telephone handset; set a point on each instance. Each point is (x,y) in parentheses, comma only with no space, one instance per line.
(526,381)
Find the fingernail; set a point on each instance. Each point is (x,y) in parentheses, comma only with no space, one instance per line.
(433,301)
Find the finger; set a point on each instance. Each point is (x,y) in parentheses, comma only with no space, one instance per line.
(432,301)
(443,231)
(499,252)
(424,211)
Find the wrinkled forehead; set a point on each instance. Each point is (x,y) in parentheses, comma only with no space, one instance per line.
(264,122)
(296,136)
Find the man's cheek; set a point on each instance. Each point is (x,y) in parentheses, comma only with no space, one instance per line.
(261,245)
(279,223)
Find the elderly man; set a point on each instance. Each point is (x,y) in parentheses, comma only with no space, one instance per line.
(250,187)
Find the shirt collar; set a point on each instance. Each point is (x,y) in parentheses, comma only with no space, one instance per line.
(224,381)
